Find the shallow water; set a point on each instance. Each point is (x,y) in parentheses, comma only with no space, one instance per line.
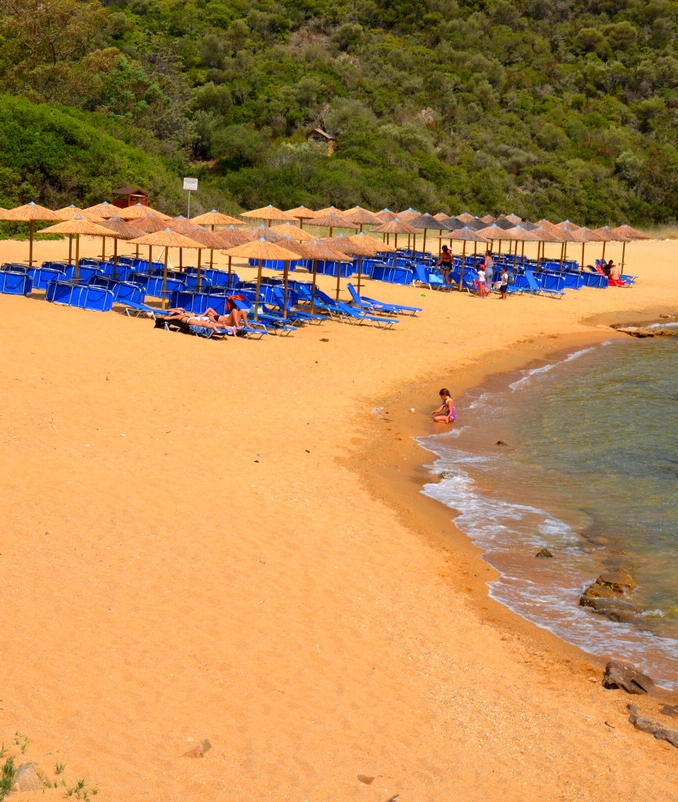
(590,472)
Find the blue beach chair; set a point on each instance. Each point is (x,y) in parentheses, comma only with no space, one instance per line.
(379,307)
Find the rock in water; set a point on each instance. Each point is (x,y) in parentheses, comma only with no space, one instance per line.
(645,724)
(29,778)
(607,596)
(544,554)
(615,608)
(629,679)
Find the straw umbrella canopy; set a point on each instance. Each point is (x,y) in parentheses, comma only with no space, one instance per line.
(262,232)
(229,238)
(327,210)
(166,239)
(123,230)
(78,225)
(487,219)
(261,249)
(409,214)
(137,211)
(513,218)
(352,248)
(495,232)
(103,210)
(566,225)
(376,245)
(150,224)
(5,214)
(29,213)
(290,231)
(395,227)
(332,220)
(68,213)
(522,234)
(215,218)
(609,235)
(441,216)
(301,213)
(208,240)
(465,217)
(386,215)
(427,222)
(465,234)
(361,217)
(582,235)
(269,213)
(319,250)
(629,233)
(503,222)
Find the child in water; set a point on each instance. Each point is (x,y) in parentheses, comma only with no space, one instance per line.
(446,412)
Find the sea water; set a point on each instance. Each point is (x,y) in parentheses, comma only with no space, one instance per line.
(588,468)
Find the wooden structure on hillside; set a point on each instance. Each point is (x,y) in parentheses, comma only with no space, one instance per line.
(321,137)
(129,196)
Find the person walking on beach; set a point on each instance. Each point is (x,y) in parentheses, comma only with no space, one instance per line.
(446,413)
(489,274)
(445,263)
(504,282)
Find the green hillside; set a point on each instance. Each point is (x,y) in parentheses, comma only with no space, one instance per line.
(563,109)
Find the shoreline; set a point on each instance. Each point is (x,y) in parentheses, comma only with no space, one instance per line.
(392,466)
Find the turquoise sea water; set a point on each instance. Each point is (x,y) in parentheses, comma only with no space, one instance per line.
(590,471)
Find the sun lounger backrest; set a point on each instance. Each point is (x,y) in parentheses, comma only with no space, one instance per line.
(13,283)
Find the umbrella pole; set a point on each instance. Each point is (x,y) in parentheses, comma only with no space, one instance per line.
(286,268)
(256,297)
(197,280)
(395,253)
(499,251)
(475,254)
(115,259)
(211,258)
(461,271)
(229,271)
(181,258)
(150,259)
(581,266)
(315,273)
(623,255)
(164,281)
(30,243)
(338,279)
(604,244)
(522,252)
(423,247)
(103,247)
(360,270)
(70,248)
(515,257)
(77,258)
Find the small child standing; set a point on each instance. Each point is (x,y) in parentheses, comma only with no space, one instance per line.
(504,279)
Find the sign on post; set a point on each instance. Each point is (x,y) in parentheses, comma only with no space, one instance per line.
(190,185)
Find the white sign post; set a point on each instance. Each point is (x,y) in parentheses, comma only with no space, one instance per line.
(190,185)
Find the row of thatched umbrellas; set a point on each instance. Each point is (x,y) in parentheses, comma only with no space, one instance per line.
(142,225)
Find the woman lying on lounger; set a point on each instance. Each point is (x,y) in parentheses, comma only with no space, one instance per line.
(181,316)
(236,318)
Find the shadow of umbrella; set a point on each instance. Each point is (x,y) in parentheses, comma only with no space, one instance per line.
(30,213)
(166,239)
(78,225)
(261,250)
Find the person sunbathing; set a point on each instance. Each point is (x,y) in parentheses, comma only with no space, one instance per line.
(181,316)
(236,318)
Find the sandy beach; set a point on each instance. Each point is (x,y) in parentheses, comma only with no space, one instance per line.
(221,540)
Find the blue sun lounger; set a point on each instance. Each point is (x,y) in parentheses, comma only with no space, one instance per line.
(344,312)
(536,288)
(379,307)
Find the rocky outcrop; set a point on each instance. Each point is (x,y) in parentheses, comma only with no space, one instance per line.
(544,554)
(656,728)
(29,777)
(608,596)
(618,675)
(645,331)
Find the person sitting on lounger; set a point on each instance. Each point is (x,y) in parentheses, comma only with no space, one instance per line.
(446,412)
(613,271)
(445,263)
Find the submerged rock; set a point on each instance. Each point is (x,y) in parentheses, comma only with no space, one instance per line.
(544,554)
(656,728)
(644,331)
(607,596)
(618,675)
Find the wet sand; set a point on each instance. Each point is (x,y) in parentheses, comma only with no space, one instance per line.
(219,540)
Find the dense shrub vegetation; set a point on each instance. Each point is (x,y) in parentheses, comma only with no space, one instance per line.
(563,108)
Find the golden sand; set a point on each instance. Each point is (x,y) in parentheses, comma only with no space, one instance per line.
(218,540)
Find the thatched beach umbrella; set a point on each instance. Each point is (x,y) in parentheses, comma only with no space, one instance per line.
(547,232)
(301,213)
(465,234)
(523,235)
(138,210)
(513,218)
(361,217)
(582,235)
(495,232)
(215,218)
(441,216)
(409,214)
(332,220)
(166,239)
(262,232)
(351,248)
(465,217)
(395,227)
(629,233)
(609,235)
(207,240)
(102,210)
(386,215)
(268,213)
(368,243)
(319,250)
(427,222)
(78,225)
(452,224)
(566,225)
(5,214)
(229,238)
(487,219)
(290,231)
(68,213)
(262,250)
(30,213)
(123,230)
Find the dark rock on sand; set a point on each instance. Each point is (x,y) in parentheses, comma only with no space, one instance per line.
(29,777)
(199,749)
(619,580)
(656,728)
(644,331)
(501,443)
(669,710)
(617,675)
(607,596)
(544,554)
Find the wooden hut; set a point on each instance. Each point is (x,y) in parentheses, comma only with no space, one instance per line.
(129,196)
